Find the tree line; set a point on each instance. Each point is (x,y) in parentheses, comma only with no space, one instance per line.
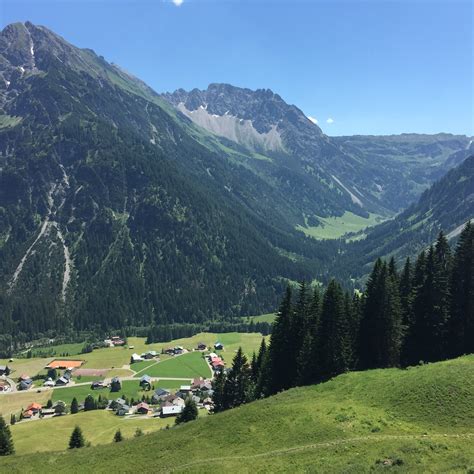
(422,313)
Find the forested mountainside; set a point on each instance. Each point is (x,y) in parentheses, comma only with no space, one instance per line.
(379,174)
(111,214)
(446,206)
(117,210)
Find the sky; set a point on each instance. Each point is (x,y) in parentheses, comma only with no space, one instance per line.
(357,67)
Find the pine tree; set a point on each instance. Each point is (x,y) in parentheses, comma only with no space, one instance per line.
(461,324)
(334,340)
(280,369)
(237,388)
(381,326)
(6,441)
(405,290)
(118,436)
(305,363)
(89,403)
(74,406)
(218,386)
(77,439)
(189,413)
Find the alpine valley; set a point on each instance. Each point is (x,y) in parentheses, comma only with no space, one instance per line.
(121,207)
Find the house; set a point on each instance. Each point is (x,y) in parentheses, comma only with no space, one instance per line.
(172,410)
(212,355)
(115,385)
(178,350)
(27,414)
(48,382)
(143,408)
(169,351)
(98,385)
(195,399)
(25,384)
(4,370)
(34,408)
(117,341)
(201,346)
(178,401)
(149,355)
(61,381)
(23,377)
(48,412)
(68,374)
(135,358)
(218,346)
(123,410)
(145,382)
(184,391)
(159,395)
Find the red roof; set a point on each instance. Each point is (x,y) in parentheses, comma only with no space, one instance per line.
(34,406)
(143,405)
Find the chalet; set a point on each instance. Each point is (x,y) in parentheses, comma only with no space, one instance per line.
(123,410)
(172,410)
(34,408)
(23,377)
(145,382)
(169,351)
(201,346)
(218,346)
(61,381)
(115,385)
(217,365)
(159,395)
(117,341)
(143,408)
(149,355)
(48,412)
(27,414)
(178,350)
(135,358)
(67,374)
(98,385)
(49,382)
(25,384)
(4,370)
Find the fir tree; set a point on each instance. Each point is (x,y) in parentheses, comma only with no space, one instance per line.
(6,441)
(74,406)
(189,413)
(118,436)
(461,324)
(218,385)
(237,388)
(77,439)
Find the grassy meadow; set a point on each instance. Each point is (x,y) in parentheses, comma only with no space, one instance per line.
(414,420)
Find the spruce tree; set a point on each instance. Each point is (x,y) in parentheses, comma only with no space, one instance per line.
(118,436)
(74,406)
(461,324)
(6,441)
(189,413)
(77,439)
(237,388)
(305,363)
(218,386)
(334,341)
(281,369)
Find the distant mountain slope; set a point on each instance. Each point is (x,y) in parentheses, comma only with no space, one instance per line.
(447,205)
(113,212)
(415,420)
(364,170)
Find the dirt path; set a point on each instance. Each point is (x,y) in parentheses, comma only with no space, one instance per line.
(327,444)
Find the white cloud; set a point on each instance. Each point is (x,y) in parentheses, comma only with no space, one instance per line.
(312,119)
(178,3)
(330,120)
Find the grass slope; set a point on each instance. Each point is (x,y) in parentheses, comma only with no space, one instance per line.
(418,420)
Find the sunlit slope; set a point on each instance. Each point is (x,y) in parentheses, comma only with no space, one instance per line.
(420,419)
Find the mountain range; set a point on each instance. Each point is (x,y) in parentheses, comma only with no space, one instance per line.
(121,207)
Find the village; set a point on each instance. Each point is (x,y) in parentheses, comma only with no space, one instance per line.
(138,394)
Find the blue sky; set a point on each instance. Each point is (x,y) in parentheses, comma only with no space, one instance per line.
(358,67)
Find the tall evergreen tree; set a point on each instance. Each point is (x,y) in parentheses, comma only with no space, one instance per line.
(281,370)
(189,413)
(218,386)
(461,324)
(6,440)
(74,406)
(334,348)
(237,389)
(77,439)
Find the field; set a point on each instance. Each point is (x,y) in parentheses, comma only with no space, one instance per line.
(415,420)
(262,318)
(186,365)
(336,227)
(98,427)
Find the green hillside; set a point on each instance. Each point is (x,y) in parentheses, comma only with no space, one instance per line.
(416,420)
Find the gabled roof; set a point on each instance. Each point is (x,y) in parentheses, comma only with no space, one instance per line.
(145,378)
(160,392)
(171,410)
(34,406)
(143,405)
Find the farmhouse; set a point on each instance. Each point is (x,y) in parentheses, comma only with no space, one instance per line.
(172,410)
(4,370)
(218,346)
(145,382)
(149,355)
(98,385)
(25,383)
(143,408)
(159,395)
(27,414)
(123,410)
(117,341)
(64,364)
(135,358)
(115,385)
(48,412)
(34,408)
(201,346)
(62,381)
(48,382)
